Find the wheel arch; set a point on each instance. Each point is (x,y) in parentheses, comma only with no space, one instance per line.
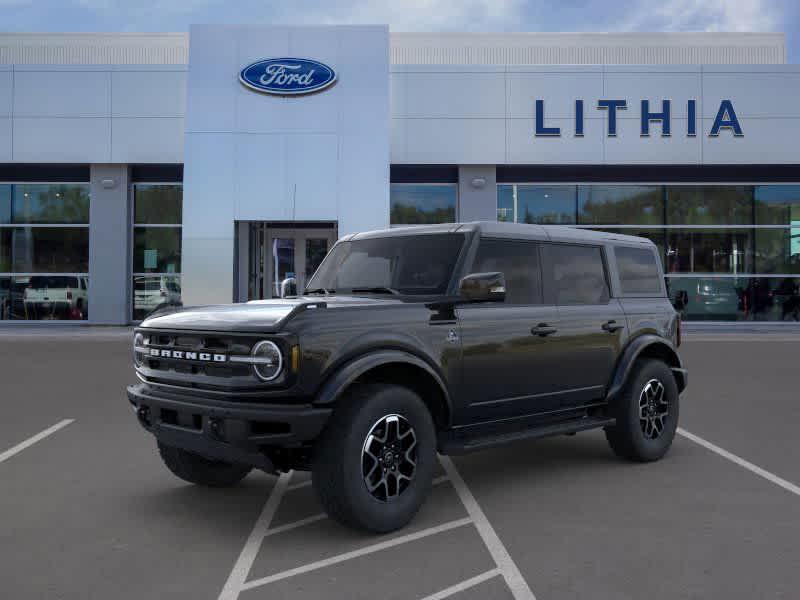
(394,367)
(646,346)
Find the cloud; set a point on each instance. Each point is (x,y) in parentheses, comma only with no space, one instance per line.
(704,15)
(414,15)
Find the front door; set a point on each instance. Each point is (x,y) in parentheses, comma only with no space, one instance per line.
(284,258)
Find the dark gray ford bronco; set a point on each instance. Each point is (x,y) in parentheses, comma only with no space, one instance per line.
(448,338)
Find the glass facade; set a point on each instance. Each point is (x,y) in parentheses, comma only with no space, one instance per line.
(44,251)
(156,247)
(734,249)
(422,203)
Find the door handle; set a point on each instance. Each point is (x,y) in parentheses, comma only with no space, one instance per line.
(543,329)
(611,326)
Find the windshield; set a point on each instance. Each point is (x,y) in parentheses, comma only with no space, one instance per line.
(406,264)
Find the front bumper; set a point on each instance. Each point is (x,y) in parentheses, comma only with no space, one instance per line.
(229,431)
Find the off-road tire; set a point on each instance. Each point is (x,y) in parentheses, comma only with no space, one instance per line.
(200,470)
(337,475)
(627,438)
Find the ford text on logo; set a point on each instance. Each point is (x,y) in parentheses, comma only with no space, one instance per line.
(186,355)
(725,120)
(287,76)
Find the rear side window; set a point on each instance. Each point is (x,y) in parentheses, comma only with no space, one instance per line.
(638,271)
(578,275)
(518,262)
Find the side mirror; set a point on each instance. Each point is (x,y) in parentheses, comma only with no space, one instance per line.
(483,287)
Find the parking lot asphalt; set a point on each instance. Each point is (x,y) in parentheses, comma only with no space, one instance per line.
(88,510)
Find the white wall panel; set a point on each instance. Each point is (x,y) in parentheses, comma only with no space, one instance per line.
(654,86)
(209,181)
(397,142)
(524,147)
(629,148)
(753,94)
(455,141)
(363,193)
(79,140)
(264,197)
(213,258)
(558,90)
(765,141)
(455,95)
(148,93)
(147,140)
(311,175)
(5,139)
(62,93)
(6,87)
(210,89)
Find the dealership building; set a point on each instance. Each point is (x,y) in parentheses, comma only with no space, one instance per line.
(144,170)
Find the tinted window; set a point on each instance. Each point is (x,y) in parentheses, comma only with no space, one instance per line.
(519,263)
(417,204)
(638,271)
(410,264)
(578,275)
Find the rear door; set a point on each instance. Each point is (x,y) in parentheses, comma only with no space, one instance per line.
(508,369)
(592,324)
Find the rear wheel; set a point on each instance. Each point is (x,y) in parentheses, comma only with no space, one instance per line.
(200,470)
(646,411)
(374,463)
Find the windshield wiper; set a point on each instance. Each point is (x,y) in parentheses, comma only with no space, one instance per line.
(376,290)
(320,290)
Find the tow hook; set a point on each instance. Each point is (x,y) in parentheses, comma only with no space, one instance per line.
(215,425)
(143,414)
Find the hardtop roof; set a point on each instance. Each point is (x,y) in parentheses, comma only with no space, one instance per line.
(523,231)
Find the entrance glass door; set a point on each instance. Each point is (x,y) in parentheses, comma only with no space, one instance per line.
(282,259)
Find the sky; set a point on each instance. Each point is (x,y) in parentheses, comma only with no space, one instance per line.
(414,15)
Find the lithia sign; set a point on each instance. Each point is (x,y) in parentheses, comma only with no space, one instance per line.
(726,119)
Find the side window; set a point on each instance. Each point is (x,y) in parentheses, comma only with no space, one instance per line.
(518,261)
(577,274)
(638,271)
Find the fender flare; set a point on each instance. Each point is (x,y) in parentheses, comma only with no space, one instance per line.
(633,351)
(347,373)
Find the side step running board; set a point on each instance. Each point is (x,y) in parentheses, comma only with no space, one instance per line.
(462,445)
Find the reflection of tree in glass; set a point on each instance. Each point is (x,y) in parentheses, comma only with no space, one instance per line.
(41,203)
(411,215)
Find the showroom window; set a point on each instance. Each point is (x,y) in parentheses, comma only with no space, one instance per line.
(157,216)
(734,249)
(44,251)
(423,203)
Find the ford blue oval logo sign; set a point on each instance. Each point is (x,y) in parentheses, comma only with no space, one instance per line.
(287,76)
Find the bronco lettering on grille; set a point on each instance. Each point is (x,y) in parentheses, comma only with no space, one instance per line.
(181,354)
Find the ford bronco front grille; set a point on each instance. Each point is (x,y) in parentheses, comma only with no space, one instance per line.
(215,362)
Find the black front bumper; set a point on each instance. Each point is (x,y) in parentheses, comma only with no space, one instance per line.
(229,431)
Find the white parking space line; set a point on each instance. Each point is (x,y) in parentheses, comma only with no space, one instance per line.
(508,568)
(296,524)
(771,477)
(33,439)
(464,585)
(244,563)
(298,486)
(320,564)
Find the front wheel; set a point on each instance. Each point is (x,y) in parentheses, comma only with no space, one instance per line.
(200,470)
(374,463)
(646,411)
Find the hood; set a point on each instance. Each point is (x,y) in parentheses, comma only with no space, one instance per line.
(255,316)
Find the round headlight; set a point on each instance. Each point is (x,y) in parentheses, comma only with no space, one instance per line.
(138,342)
(267,360)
